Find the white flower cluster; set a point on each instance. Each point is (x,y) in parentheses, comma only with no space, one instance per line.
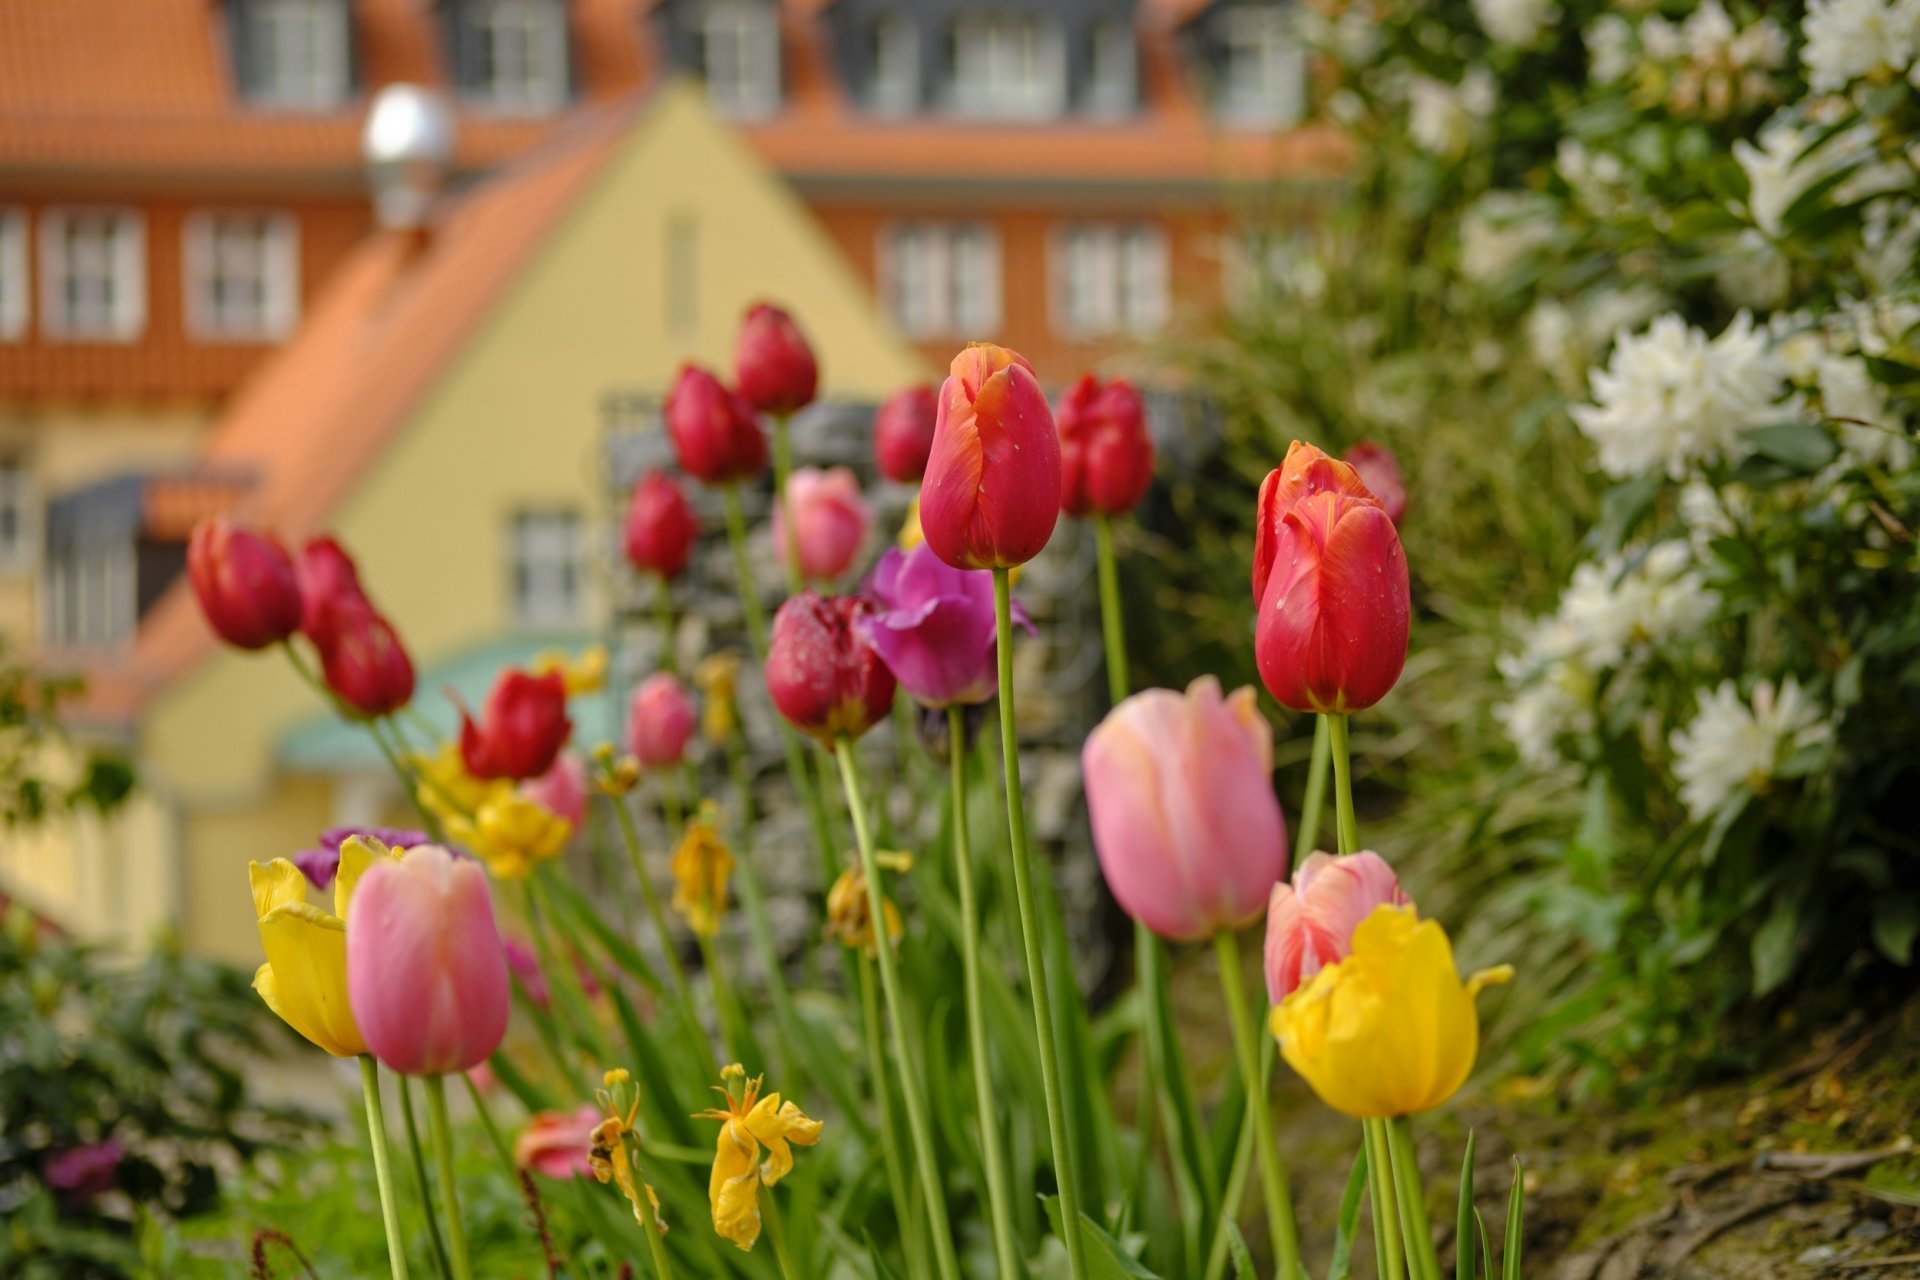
(1848,40)
(1703,66)
(1515,22)
(1444,118)
(1733,745)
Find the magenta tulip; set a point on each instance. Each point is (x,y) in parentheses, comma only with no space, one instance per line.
(830,522)
(822,674)
(660,721)
(362,659)
(329,580)
(772,364)
(661,527)
(991,495)
(1310,922)
(1106,455)
(245,582)
(426,974)
(903,433)
(715,434)
(1185,822)
(932,624)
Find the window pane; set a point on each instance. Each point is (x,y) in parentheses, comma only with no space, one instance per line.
(13,274)
(546,569)
(1008,66)
(519,50)
(299,52)
(1263,74)
(1112,88)
(895,85)
(13,511)
(93,277)
(740,56)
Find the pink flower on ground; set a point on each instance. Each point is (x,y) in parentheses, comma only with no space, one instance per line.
(555,1143)
(1310,922)
(1379,470)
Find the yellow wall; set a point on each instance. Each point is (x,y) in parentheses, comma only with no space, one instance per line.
(515,424)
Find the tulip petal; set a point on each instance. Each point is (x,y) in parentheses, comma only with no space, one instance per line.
(275,884)
(307,976)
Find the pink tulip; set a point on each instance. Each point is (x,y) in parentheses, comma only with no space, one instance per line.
(561,790)
(426,974)
(1310,922)
(660,721)
(1379,470)
(555,1143)
(831,520)
(1179,789)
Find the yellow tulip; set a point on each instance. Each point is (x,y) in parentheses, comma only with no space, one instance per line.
(1391,1029)
(584,674)
(701,866)
(304,980)
(511,832)
(749,1123)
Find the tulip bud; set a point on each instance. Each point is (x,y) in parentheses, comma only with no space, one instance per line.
(1332,630)
(1106,455)
(772,364)
(328,579)
(1379,470)
(362,659)
(821,674)
(245,583)
(903,433)
(522,727)
(715,434)
(1310,922)
(991,495)
(933,625)
(1185,823)
(1305,472)
(830,522)
(660,721)
(661,526)
(426,974)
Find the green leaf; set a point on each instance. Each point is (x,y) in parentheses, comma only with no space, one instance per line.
(1802,446)
(1238,1251)
(1516,1210)
(1106,1260)
(1340,1265)
(881,1271)
(1486,1247)
(1774,944)
(1896,919)
(1463,1218)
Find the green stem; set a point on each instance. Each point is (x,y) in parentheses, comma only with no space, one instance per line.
(663,618)
(903,1210)
(630,836)
(382,1165)
(494,1137)
(730,1042)
(919,1128)
(421,1187)
(1273,1175)
(442,1132)
(563,979)
(999,1198)
(1044,1032)
(672,805)
(1237,1173)
(1112,625)
(777,1233)
(649,1221)
(1347,829)
(1386,1210)
(1422,1261)
(782,471)
(1316,798)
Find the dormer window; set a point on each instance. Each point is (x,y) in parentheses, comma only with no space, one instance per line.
(1262,73)
(1113,72)
(294,55)
(740,56)
(1008,66)
(513,54)
(893,82)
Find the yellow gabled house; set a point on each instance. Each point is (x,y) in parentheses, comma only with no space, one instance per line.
(439,412)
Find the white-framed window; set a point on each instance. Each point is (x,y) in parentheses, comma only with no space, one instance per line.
(1008,66)
(16,513)
(93,274)
(1109,278)
(242,275)
(942,279)
(894,89)
(1113,81)
(740,56)
(91,595)
(14,306)
(548,568)
(1263,69)
(518,55)
(298,54)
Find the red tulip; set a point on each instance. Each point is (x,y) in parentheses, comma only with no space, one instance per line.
(661,526)
(821,673)
(362,658)
(715,434)
(1379,470)
(991,495)
(1106,455)
(245,582)
(772,364)
(1305,472)
(521,729)
(328,579)
(1332,630)
(903,433)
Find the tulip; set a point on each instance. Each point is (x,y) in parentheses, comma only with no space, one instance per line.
(584,672)
(1379,470)
(1185,822)
(661,527)
(1305,472)
(510,831)
(702,865)
(245,583)
(1106,455)
(933,626)
(717,675)
(363,661)
(561,790)
(748,1123)
(830,522)
(1332,629)
(304,980)
(320,865)
(82,1173)
(991,495)
(425,969)
(522,727)
(850,906)
(1310,922)
(660,721)
(1391,1029)
(821,674)
(328,581)
(715,434)
(903,433)
(557,1144)
(772,364)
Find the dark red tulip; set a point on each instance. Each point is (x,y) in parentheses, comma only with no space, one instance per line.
(661,526)
(991,495)
(773,366)
(521,729)
(1305,472)
(245,582)
(821,673)
(715,433)
(1379,470)
(903,433)
(328,580)
(362,658)
(1106,455)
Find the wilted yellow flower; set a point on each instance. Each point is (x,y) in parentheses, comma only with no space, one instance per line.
(716,677)
(511,832)
(701,866)
(850,915)
(911,534)
(748,1123)
(586,673)
(607,1153)
(1391,1029)
(304,980)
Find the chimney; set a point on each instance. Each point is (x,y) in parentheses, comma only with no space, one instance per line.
(408,146)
